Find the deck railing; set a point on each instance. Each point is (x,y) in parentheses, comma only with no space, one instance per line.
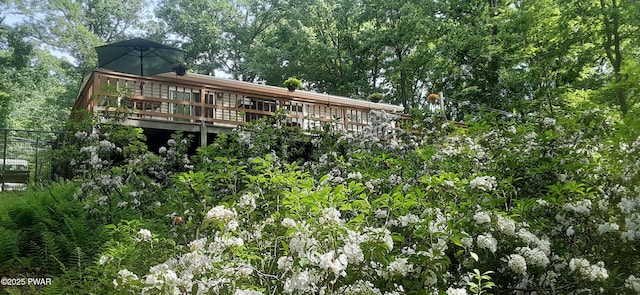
(197,102)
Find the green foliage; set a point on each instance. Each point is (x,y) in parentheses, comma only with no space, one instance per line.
(292,83)
(42,231)
(5,107)
(76,28)
(375,97)
(480,282)
(36,88)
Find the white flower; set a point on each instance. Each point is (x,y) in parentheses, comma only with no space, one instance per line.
(104,259)
(531,135)
(232,225)
(144,235)
(336,179)
(535,256)
(482,217)
(578,263)
(299,282)
(484,183)
(627,205)
(506,225)
(247,292)
(517,264)
(362,287)
(247,201)
(632,283)
(330,215)
(380,214)
(466,242)
(81,135)
(400,266)
(220,213)
(456,291)
(603,204)
(526,236)
(337,265)
(302,245)
(595,272)
(488,242)
(197,245)
(570,231)
(162,150)
(369,185)
(449,183)
(549,121)
(288,222)
(354,175)
(562,177)
(244,270)
(581,207)
(285,263)
(354,252)
(125,276)
(608,227)
(408,219)
(107,145)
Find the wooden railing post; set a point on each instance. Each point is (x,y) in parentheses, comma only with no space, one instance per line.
(345,118)
(203,97)
(95,93)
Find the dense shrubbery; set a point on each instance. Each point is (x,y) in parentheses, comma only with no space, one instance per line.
(46,233)
(547,205)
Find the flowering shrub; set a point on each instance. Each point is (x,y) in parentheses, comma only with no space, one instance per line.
(545,205)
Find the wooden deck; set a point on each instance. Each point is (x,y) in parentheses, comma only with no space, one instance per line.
(199,103)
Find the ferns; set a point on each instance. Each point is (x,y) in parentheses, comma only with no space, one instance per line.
(80,275)
(8,249)
(47,233)
(50,248)
(80,260)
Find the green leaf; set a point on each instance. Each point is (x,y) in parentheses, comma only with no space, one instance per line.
(474,256)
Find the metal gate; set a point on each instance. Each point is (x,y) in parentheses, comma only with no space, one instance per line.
(33,146)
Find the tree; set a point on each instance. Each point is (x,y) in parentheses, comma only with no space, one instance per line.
(332,61)
(46,95)
(618,29)
(221,35)
(400,29)
(76,27)
(614,26)
(14,58)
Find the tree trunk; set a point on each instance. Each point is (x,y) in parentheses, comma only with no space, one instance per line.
(611,19)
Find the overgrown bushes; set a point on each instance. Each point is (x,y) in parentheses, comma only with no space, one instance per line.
(545,205)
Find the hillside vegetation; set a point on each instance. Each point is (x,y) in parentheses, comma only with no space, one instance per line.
(540,205)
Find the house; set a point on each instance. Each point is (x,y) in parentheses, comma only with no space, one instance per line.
(205,105)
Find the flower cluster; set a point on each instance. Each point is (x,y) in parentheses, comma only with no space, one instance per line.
(144,235)
(517,264)
(484,183)
(488,242)
(592,272)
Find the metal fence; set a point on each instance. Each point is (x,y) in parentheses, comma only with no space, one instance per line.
(34,146)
